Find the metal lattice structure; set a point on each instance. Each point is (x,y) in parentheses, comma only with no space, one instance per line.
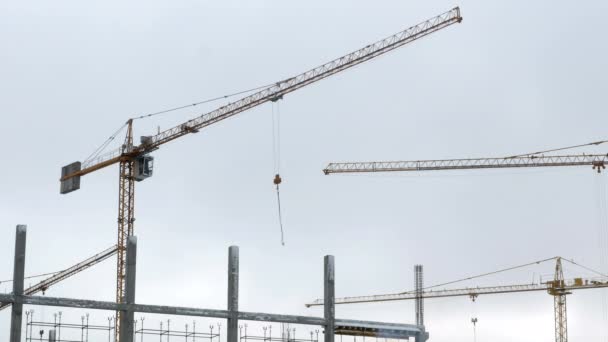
(128,154)
(51,331)
(596,161)
(287,335)
(559,292)
(68,272)
(567,286)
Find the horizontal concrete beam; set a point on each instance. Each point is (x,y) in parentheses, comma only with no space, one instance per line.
(406,329)
(159,309)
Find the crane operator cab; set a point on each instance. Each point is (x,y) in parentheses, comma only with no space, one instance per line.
(144,166)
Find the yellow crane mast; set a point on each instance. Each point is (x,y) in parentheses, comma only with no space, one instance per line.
(135,163)
(559,292)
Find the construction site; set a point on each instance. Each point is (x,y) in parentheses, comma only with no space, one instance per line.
(269,171)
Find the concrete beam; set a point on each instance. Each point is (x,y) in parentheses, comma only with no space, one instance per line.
(196,312)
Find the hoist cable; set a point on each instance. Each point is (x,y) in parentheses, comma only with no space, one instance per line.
(276,158)
(595,143)
(278,137)
(280,216)
(274,140)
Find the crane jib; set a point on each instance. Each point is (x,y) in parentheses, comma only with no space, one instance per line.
(291,84)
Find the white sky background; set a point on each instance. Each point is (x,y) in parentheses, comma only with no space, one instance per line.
(514,77)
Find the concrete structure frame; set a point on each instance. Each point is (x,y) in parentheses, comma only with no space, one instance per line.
(330,324)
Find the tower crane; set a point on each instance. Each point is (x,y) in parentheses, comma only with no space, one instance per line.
(559,288)
(538,159)
(136,163)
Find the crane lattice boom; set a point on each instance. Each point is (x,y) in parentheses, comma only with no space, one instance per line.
(597,161)
(68,272)
(574,284)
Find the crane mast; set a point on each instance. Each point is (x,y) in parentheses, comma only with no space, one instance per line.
(559,292)
(135,163)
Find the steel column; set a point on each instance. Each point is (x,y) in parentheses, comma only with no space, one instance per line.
(329,298)
(233,293)
(18,278)
(128,317)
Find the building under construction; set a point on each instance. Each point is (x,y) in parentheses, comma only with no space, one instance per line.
(125,319)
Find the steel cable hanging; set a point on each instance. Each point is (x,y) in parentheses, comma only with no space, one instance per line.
(276,156)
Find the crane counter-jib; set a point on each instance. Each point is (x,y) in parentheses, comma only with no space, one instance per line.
(272,93)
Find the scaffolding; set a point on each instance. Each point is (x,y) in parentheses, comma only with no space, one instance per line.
(84,331)
(287,335)
(232,315)
(51,331)
(164,332)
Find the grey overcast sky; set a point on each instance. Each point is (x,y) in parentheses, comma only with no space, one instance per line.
(514,77)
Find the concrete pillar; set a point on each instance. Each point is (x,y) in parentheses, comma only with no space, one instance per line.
(421,336)
(419,286)
(18,277)
(128,317)
(52,336)
(329,298)
(233,293)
